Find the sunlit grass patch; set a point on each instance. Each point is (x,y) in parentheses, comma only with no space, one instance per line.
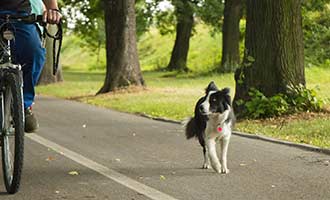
(308,128)
(157,103)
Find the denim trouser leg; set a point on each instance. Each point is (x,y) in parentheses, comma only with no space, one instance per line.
(28,52)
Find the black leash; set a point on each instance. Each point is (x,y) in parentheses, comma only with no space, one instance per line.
(58,36)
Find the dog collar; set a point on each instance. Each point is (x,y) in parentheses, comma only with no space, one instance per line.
(219,129)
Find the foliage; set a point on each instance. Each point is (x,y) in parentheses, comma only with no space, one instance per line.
(297,99)
(316,27)
(211,12)
(165,22)
(260,106)
(143,17)
(303,99)
(85,18)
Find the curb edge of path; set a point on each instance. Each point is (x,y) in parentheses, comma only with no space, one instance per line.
(255,136)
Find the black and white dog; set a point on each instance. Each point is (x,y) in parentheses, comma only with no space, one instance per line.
(213,121)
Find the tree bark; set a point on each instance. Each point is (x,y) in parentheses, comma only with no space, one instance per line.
(123,68)
(47,76)
(185,21)
(274,56)
(230,36)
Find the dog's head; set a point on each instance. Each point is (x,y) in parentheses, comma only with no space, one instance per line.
(215,101)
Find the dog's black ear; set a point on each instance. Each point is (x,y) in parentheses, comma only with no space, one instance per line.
(211,87)
(226,92)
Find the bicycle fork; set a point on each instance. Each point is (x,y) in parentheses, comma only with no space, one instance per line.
(2,113)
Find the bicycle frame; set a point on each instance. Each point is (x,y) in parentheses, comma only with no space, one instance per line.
(2,113)
(8,36)
(11,105)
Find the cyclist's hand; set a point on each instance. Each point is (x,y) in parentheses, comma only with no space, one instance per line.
(52,16)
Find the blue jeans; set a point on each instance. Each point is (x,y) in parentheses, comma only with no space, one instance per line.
(27,50)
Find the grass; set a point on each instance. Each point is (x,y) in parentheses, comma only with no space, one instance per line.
(173,96)
(165,96)
(308,128)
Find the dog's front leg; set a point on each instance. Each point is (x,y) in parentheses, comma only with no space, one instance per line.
(224,148)
(206,164)
(211,149)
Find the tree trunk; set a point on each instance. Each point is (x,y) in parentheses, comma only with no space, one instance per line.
(47,76)
(230,36)
(185,21)
(274,56)
(123,68)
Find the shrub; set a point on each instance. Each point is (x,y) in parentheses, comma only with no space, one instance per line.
(297,99)
(303,99)
(261,106)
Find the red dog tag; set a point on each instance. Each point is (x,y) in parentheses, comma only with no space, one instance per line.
(219,129)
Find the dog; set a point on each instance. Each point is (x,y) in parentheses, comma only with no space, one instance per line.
(213,121)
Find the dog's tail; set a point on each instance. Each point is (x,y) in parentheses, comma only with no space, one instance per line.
(190,127)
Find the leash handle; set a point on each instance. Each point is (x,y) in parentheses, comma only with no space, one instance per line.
(58,36)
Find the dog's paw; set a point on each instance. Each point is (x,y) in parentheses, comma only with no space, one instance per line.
(224,171)
(206,166)
(218,171)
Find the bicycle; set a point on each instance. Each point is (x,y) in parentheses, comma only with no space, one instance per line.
(11,102)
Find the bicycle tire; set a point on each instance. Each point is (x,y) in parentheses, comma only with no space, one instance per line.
(13,127)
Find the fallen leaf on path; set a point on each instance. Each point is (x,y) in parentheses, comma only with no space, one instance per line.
(74,173)
(84,125)
(117,159)
(162,177)
(50,158)
(242,164)
(57,192)
(273,186)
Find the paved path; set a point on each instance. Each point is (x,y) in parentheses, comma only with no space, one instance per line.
(119,156)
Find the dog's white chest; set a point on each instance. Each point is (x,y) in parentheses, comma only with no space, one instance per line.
(216,128)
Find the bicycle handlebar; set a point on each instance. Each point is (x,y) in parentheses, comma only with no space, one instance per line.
(28,19)
(33,18)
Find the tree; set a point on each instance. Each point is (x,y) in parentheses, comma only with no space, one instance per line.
(47,76)
(185,19)
(274,55)
(231,36)
(123,68)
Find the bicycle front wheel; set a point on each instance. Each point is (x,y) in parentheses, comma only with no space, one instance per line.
(13,132)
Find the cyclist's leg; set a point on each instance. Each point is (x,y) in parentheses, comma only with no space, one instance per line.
(28,51)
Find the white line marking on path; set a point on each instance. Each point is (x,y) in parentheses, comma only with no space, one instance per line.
(109,173)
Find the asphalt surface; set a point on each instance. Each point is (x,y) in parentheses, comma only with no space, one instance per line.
(104,154)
